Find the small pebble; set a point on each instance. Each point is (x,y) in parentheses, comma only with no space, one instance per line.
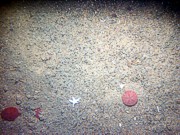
(28,96)
(5,88)
(114,15)
(121,85)
(18,102)
(178,101)
(158,109)
(18,99)
(41,117)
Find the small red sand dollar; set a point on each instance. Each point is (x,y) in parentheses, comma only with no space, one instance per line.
(129,98)
(10,113)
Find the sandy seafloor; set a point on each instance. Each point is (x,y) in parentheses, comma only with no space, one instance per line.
(53,51)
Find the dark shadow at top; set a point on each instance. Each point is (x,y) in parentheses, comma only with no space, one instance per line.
(171,5)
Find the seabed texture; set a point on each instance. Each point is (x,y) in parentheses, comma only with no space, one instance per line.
(52,51)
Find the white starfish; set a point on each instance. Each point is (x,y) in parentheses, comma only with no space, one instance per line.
(74,101)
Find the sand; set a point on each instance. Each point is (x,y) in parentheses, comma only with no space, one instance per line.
(53,51)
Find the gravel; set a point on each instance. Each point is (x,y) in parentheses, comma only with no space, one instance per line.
(93,50)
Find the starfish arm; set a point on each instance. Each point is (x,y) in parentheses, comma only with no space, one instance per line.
(71,101)
(77,100)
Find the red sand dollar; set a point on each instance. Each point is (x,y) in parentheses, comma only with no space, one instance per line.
(10,113)
(129,98)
